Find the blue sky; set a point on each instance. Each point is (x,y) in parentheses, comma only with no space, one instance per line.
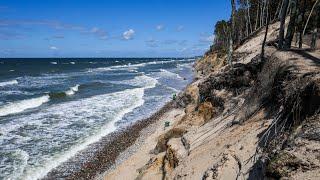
(108,28)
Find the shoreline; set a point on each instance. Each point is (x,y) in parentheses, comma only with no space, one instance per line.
(107,150)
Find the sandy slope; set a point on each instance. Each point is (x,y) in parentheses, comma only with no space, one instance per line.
(204,144)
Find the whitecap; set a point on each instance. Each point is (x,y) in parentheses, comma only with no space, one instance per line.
(140,81)
(20,106)
(54,63)
(113,106)
(73,90)
(72,62)
(7,83)
(166,73)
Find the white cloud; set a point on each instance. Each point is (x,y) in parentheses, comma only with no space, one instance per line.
(127,35)
(100,33)
(160,27)
(94,30)
(180,28)
(207,39)
(53,48)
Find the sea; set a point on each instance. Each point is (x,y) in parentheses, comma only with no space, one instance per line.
(50,108)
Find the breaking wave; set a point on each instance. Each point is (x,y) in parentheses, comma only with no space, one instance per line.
(20,106)
(7,83)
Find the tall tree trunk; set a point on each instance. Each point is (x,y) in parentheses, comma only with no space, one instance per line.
(247,25)
(276,15)
(292,24)
(282,22)
(301,22)
(315,29)
(249,18)
(257,18)
(305,27)
(231,32)
(261,13)
(266,32)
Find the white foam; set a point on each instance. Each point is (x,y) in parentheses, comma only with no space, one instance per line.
(72,62)
(22,157)
(141,81)
(8,83)
(54,63)
(133,66)
(166,73)
(20,106)
(73,90)
(120,102)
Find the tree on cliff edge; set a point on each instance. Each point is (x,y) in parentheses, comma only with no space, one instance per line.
(282,22)
(230,51)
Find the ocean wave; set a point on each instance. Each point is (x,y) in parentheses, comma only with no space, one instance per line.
(59,95)
(55,63)
(143,81)
(16,92)
(20,161)
(73,90)
(166,73)
(20,106)
(8,83)
(132,67)
(112,107)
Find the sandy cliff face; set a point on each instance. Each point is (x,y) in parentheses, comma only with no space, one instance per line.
(257,120)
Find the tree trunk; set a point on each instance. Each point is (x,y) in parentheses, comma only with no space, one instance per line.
(282,22)
(261,13)
(257,18)
(305,27)
(276,15)
(231,32)
(266,33)
(292,24)
(315,30)
(301,19)
(249,18)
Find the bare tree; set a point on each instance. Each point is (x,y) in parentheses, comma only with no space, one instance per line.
(282,22)
(305,27)
(292,24)
(231,32)
(249,18)
(267,28)
(315,28)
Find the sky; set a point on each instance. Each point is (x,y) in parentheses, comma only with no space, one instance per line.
(108,28)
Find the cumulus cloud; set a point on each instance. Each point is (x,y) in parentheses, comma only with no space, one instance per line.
(53,48)
(128,35)
(160,27)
